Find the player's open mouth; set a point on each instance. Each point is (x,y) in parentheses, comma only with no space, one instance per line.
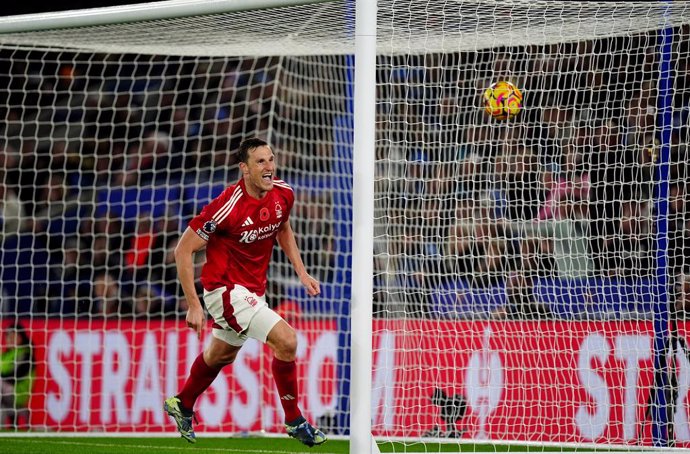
(267,177)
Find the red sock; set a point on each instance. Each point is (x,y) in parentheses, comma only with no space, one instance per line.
(285,376)
(200,377)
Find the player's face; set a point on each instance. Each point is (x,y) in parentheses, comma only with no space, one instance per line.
(259,170)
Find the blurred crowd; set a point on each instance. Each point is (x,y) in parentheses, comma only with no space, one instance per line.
(563,193)
(105,158)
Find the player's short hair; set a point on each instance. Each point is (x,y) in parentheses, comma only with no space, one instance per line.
(248,145)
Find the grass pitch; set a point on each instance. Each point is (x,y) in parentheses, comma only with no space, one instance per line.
(250,445)
(91,445)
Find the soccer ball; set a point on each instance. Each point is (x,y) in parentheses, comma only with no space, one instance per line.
(502,100)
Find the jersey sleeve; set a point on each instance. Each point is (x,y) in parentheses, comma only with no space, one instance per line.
(288,197)
(206,223)
(290,201)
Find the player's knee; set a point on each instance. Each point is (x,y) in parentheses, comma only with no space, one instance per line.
(219,354)
(291,342)
(286,346)
(227,358)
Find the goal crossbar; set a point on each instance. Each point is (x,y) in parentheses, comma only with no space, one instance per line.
(139,12)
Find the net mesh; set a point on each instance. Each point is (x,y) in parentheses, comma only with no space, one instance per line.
(514,261)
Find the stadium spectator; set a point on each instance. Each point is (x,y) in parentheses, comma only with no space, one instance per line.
(108,300)
(12,214)
(520,178)
(571,182)
(478,164)
(238,230)
(400,279)
(161,261)
(151,161)
(549,134)
(476,245)
(629,252)
(104,237)
(32,172)
(148,301)
(555,244)
(641,113)
(71,279)
(679,229)
(9,163)
(617,181)
(56,213)
(682,296)
(139,248)
(17,372)
(526,255)
(562,220)
(109,163)
(313,212)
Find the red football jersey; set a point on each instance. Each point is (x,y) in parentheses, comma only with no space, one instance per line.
(241,231)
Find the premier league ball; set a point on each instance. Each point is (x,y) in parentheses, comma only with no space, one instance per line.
(503,100)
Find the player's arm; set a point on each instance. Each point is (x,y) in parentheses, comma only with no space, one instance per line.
(184,259)
(286,240)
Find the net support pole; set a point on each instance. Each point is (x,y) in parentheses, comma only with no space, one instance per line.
(361,440)
(344,140)
(660,414)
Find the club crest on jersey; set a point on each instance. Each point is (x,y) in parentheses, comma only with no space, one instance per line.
(209,227)
(279,210)
(264,214)
(251,300)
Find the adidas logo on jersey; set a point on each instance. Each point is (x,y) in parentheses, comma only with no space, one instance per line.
(247,222)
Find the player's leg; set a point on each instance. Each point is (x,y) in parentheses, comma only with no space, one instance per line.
(253,318)
(204,370)
(220,352)
(283,341)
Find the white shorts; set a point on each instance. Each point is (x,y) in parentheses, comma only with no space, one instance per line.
(239,314)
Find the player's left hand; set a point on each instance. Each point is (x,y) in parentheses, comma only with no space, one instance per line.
(196,319)
(312,285)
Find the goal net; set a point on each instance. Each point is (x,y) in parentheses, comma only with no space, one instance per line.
(530,283)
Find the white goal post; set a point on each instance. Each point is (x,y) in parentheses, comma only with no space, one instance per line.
(484,281)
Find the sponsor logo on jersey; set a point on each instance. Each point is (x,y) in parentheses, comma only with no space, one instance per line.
(247,222)
(249,236)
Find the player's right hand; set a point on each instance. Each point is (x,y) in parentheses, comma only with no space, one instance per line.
(312,285)
(196,319)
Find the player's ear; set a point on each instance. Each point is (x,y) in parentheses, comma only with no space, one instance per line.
(243,168)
